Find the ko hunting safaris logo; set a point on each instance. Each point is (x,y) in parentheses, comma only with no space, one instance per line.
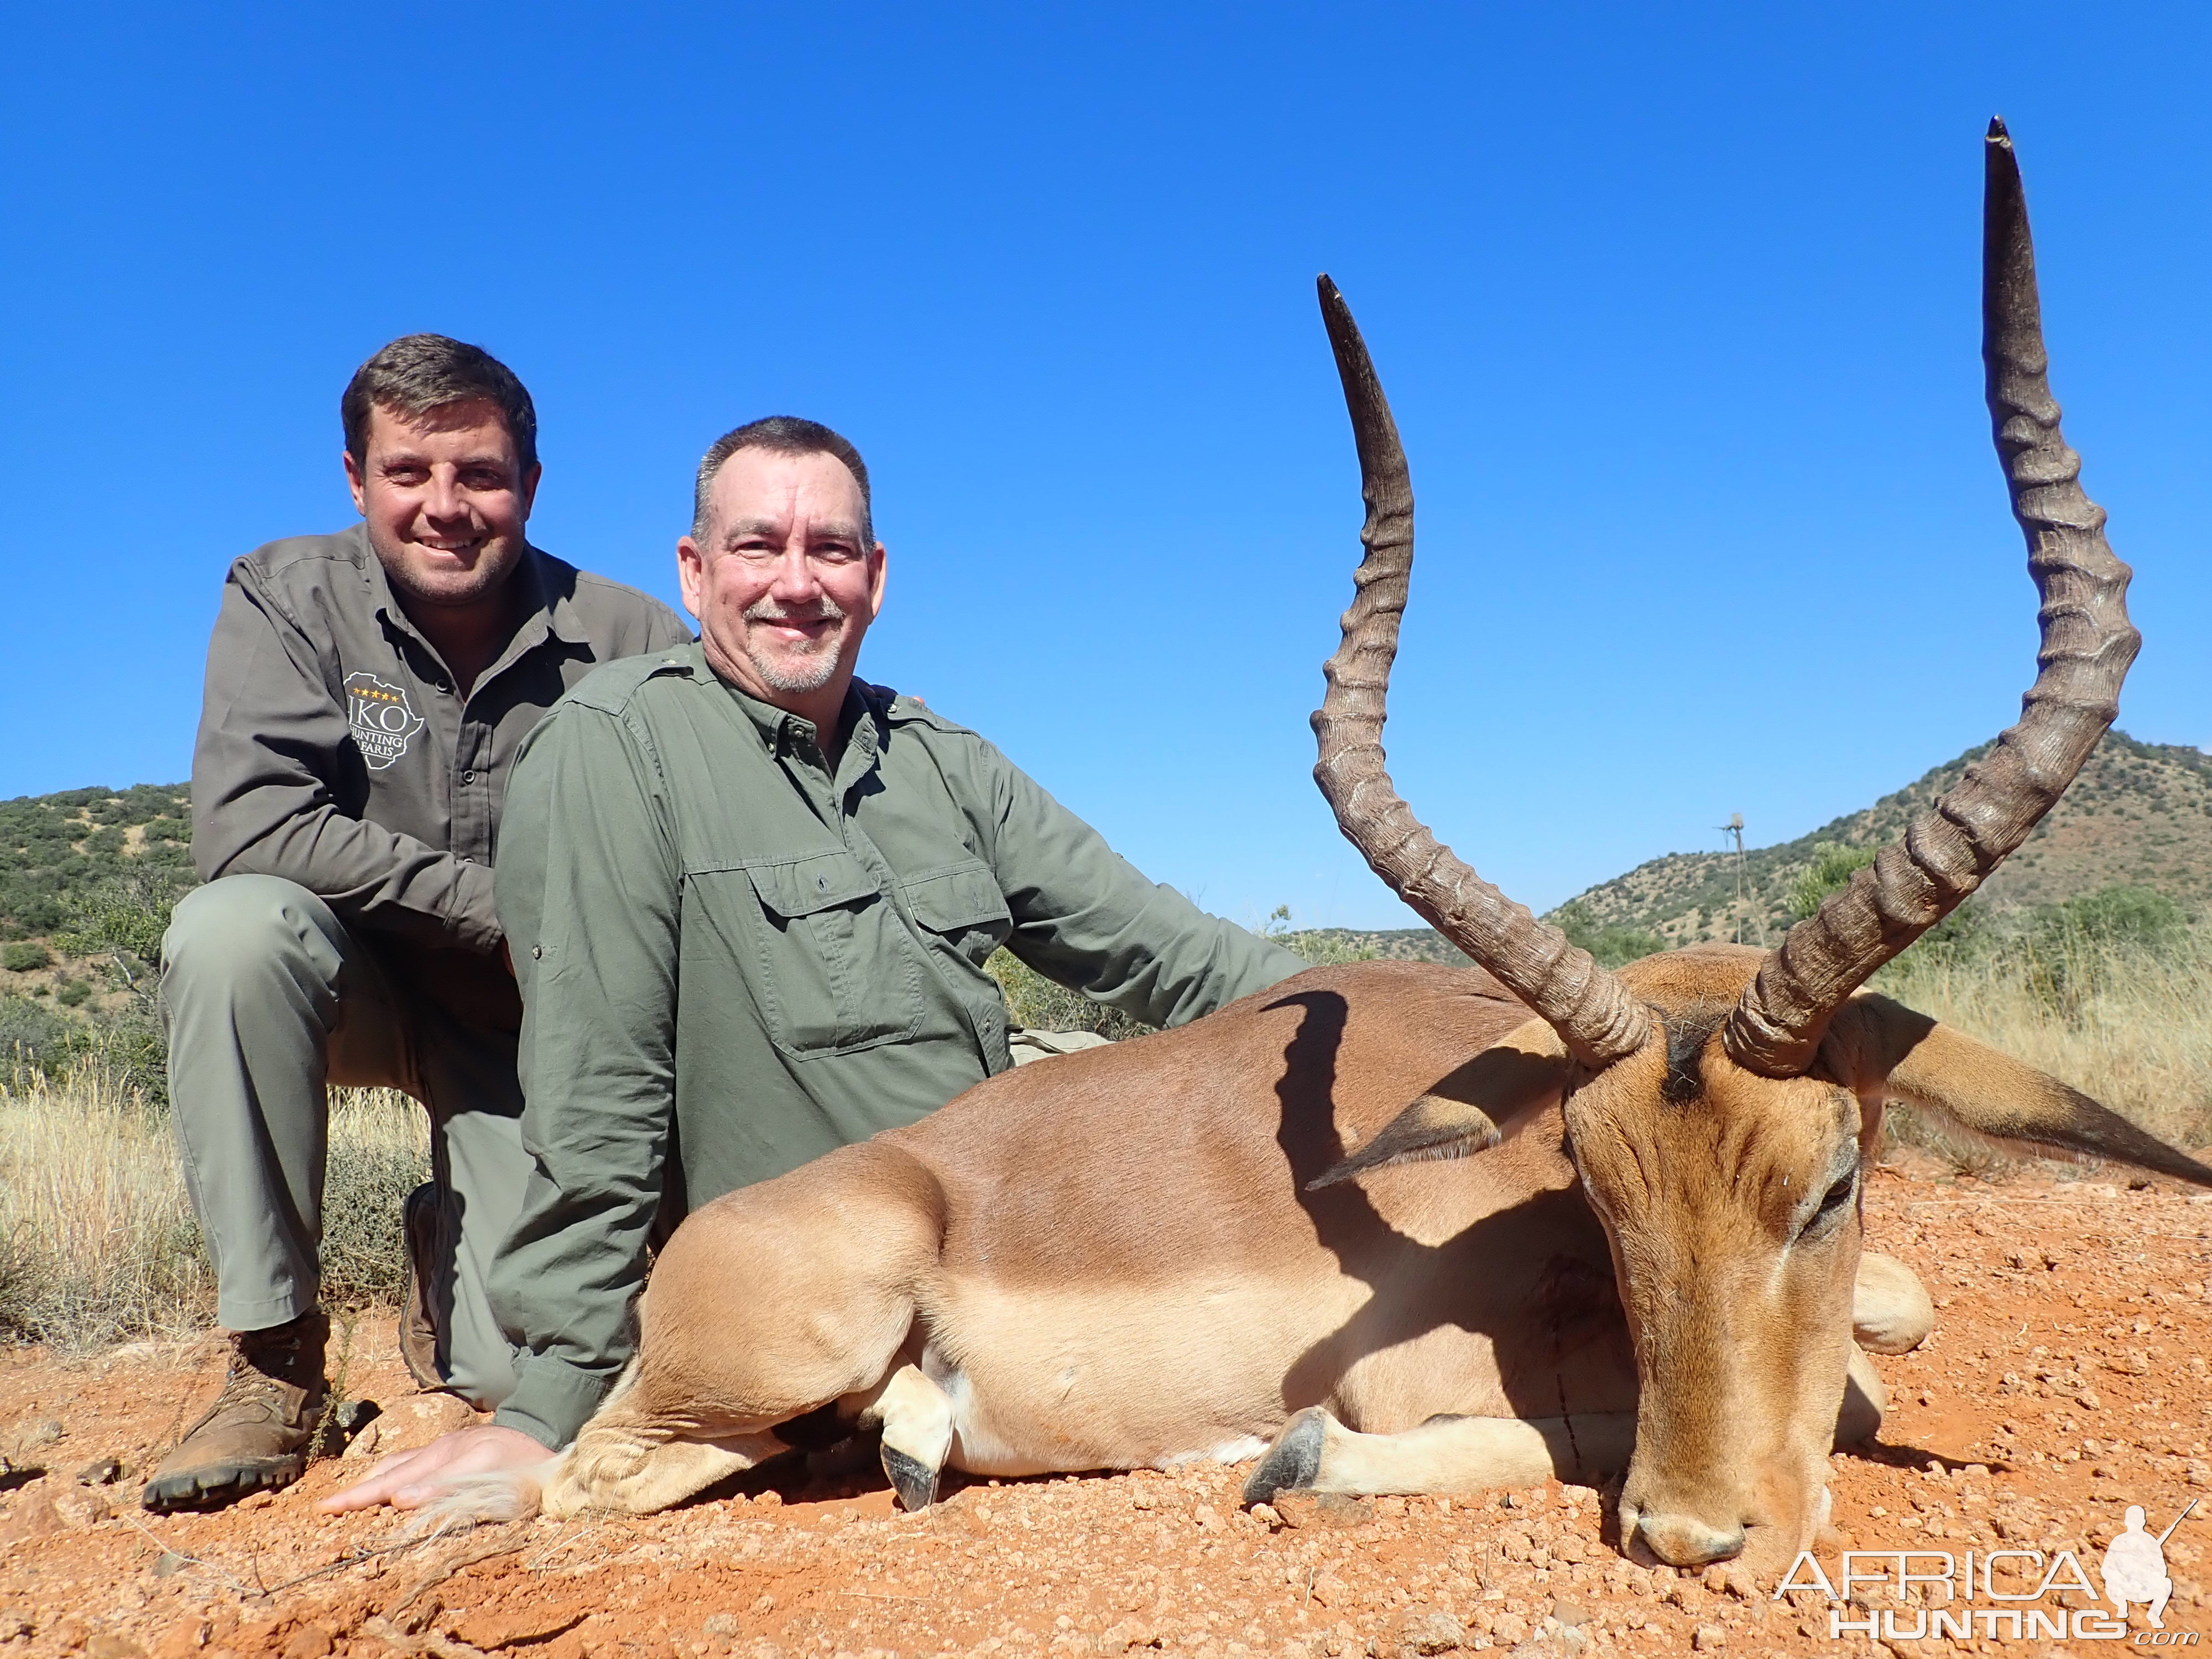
(381,718)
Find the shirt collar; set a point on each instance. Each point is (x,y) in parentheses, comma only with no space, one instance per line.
(558,609)
(543,613)
(783,733)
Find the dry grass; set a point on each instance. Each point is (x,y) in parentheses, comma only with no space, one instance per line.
(2129,1026)
(97,1243)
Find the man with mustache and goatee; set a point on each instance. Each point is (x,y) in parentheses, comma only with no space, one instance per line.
(750,897)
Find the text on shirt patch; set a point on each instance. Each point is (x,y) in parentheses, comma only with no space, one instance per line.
(381,718)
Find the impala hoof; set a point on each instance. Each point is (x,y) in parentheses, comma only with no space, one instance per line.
(914,1482)
(1293,1462)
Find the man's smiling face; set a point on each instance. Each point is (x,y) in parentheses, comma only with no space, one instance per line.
(446,498)
(786,580)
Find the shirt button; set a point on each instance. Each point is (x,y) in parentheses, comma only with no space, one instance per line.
(537,951)
(468,777)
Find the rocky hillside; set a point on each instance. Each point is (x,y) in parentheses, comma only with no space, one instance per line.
(2140,813)
(54,848)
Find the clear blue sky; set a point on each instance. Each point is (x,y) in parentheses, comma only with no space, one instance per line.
(1677,306)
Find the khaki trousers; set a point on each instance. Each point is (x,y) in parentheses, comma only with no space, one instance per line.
(268,1001)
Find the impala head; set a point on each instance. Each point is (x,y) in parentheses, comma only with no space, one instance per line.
(1719,1101)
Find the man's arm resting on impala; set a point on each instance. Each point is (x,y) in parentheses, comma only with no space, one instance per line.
(1086,917)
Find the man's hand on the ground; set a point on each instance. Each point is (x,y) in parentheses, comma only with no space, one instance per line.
(407,1481)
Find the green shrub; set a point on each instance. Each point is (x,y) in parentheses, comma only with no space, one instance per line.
(2124,915)
(2066,953)
(31,1036)
(128,912)
(25,955)
(1831,868)
(1322,947)
(1612,946)
(1037,1002)
(74,992)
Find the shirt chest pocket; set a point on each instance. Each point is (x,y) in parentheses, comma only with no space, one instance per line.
(835,970)
(962,910)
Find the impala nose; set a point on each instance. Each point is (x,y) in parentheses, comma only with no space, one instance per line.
(1683,1541)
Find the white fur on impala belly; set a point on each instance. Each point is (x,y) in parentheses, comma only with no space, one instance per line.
(1012,1444)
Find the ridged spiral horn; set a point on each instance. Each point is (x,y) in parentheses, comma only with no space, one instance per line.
(2087,643)
(1592,1011)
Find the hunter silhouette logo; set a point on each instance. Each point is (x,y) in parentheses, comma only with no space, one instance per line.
(2000,1595)
(2135,1567)
(381,718)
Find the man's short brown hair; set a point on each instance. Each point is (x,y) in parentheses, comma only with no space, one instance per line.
(785,434)
(418,374)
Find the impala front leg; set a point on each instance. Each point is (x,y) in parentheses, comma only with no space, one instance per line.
(1445,1454)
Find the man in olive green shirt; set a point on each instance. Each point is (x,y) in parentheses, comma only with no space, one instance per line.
(750,898)
(367,693)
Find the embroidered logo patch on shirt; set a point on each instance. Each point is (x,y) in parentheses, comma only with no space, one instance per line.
(381,718)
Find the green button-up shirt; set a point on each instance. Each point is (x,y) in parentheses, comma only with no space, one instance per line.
(735,958)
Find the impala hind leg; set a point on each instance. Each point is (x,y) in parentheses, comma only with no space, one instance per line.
(916,1418)
(1316,1453)
(768,1305)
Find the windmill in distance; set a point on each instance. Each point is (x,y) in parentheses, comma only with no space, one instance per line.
(1733,828)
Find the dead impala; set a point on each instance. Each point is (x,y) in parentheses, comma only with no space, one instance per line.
(1424,1230)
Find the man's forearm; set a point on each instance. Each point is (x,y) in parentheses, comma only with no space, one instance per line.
(374,879)
(1086,917)
(566,1281)
(552,1400)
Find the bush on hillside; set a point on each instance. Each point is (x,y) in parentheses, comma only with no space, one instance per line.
(1038,1003)
(1612,946)
(1831,868)
(2124,915)
(1321,947)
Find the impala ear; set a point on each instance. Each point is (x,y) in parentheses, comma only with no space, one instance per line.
(1877,1047)
(1460,1115)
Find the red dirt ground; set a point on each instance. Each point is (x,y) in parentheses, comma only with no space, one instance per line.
(2066,1379)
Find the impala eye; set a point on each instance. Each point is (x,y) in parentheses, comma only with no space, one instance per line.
(1834,1203)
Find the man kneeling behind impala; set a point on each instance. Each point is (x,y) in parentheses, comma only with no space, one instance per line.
(365,693)
(750,897)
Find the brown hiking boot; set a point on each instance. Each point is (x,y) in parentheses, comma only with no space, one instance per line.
(418,1329)
(256,1436)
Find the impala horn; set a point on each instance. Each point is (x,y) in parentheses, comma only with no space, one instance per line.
(2087,643)
(1592,1011)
